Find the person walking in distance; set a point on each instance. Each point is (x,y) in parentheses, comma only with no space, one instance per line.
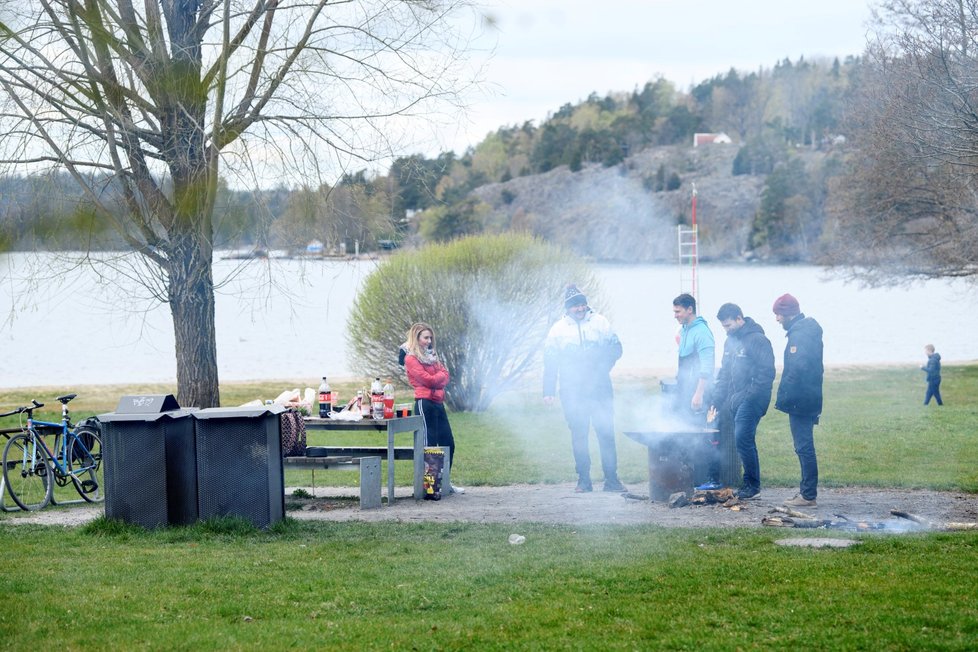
(742,391)
(800,391)
(429,377)
(578,355)
(933,369)
(694,378)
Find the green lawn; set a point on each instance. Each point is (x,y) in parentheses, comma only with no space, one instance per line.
(464,587)
(353,586)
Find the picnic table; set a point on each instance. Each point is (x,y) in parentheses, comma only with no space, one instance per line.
(393,427)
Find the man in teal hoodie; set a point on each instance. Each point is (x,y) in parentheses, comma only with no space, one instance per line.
(696,358)
(695,376)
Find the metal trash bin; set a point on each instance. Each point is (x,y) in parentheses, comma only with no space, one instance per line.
(239,463)
(149,459)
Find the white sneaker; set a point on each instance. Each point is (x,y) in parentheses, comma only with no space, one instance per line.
(455,489)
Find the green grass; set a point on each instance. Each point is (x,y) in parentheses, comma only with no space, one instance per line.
(354,586)
(874,432)
(451,587)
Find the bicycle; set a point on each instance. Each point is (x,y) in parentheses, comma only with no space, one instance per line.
(29,466)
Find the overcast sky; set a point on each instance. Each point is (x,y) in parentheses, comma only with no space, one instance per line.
(551,52)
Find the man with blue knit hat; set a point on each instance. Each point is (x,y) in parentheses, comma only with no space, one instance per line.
(800,391)
(578,355)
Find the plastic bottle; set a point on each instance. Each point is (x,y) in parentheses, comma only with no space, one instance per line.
(388,400)
(376,399)
(325,399)
(359,404)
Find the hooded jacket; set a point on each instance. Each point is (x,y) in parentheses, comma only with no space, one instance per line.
(697,350)
(800,391)
(581,354)
(933,367)
(747,369)
(429,379)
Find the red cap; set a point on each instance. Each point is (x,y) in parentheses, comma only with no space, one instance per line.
(786,306)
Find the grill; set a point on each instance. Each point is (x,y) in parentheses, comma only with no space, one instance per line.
(678,459)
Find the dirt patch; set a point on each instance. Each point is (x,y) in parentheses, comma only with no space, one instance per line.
(558,504)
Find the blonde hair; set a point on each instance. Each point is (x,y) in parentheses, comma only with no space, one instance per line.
(414,336)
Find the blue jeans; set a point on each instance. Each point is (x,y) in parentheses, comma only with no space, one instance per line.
(746,419)
(803,434)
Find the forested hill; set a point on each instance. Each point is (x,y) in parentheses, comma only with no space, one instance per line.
(609,177)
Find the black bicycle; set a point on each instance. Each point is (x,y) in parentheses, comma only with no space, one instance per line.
(31,468)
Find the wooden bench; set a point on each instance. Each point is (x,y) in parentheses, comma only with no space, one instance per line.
(400,452)
(369,466)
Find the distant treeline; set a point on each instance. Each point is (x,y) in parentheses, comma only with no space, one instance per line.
(768,114)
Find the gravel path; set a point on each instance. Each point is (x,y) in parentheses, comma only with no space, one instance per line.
(558,504)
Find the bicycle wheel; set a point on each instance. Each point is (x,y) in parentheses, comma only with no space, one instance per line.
(27,472)
(85,463)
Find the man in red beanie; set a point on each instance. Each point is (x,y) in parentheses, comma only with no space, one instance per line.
(800,390)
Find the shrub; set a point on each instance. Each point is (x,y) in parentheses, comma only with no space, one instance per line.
(490,299)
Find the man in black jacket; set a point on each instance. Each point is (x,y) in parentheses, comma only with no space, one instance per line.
(800,391)
(743,388)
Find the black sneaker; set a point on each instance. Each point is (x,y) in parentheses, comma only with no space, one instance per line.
(615,486)
(583,487)
(746,493)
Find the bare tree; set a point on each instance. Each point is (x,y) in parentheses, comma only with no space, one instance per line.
(909,208)
(159,97)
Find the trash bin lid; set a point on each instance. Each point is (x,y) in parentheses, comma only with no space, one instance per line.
(146,417)
(147,403)
(239,412)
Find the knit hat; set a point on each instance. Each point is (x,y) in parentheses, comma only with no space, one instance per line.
(573,297)
(786,306)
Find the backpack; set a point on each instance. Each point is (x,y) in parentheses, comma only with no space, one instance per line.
(293,434)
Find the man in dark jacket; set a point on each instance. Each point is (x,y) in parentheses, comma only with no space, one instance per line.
(743,388)
(800,391)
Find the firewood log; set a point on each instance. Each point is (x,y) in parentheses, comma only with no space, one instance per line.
(792,512)
(911,517)
(777,521)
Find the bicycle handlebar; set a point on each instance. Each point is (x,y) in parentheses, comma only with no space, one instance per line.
(23,409)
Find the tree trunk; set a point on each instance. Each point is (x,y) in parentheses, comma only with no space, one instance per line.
(191,298)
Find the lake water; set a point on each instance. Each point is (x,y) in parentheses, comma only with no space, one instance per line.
(83,329)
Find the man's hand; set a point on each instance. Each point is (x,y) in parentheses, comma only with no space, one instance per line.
(711,414)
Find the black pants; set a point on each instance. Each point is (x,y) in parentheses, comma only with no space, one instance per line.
(582,412)
(933,390)
(439,431)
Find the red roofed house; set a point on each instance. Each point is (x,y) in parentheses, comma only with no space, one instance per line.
(706,139)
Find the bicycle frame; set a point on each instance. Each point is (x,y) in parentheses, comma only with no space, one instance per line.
(66,439)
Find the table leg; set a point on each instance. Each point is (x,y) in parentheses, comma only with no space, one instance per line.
(390,466)
(419,438)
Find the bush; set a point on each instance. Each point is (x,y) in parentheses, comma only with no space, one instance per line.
(490,299)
